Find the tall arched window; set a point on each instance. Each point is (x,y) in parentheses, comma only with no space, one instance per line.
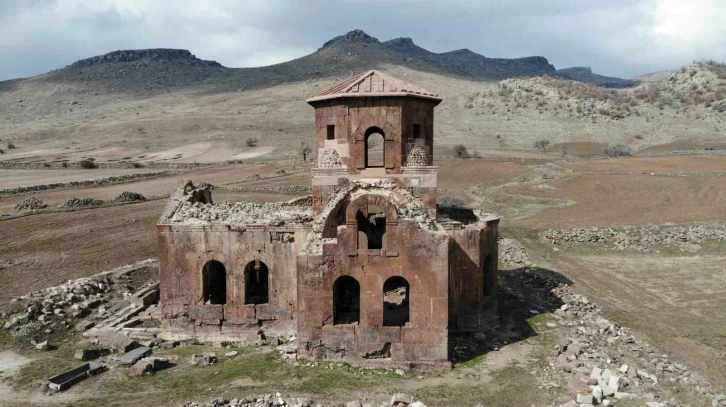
(346,300)
(375,148)
(396,293)
(257,284)
(214,283)
(488,276)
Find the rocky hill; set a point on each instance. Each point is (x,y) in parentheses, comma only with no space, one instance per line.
(585,74)
(158,70)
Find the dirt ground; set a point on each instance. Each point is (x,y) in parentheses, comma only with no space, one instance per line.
(22,178)
(150,188)
(619,200)
(650,292)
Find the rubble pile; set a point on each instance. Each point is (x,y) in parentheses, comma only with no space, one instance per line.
(82,202)
(642,239)
(127,196)
(242,213)
(275,400)
(30,204)
(512,253)
(606,363)
(58,307)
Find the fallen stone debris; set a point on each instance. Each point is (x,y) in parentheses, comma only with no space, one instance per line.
(30,204)
(127,196)
(65,380)
(606,363)
(277,399)
(58,307)
(238,213)
(636,238)
(82,202)
(512,253)
(204,359)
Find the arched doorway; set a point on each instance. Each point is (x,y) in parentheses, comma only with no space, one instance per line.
(257,284)
(214,283)
(375,148)
(396,293)
(346,300)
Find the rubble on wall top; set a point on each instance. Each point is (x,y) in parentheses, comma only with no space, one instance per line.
(241,213)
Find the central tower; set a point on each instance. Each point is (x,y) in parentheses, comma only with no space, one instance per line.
(374,126)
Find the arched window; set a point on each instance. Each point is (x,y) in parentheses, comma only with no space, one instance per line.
(395,301)
(214,283)
(346,300)
(371,229)
(375,148)
(488,276)
(257,284)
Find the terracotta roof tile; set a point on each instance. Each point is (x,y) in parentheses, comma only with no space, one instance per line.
(372,83)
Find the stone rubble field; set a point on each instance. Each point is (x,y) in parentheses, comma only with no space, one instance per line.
(641,239)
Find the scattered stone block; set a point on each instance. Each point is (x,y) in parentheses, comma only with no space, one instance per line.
(204,359)
(596,373)
(63,381)
(404,398)
(149,365)
(117,341)
(134,356)
(42,346)
(90,354)
(85,325)
(354,403)
(584,399)
(231,354)
(418,404)
(597,394)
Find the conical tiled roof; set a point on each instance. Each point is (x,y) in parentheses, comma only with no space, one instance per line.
(372,83)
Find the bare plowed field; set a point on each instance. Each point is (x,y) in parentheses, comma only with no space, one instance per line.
(611,200)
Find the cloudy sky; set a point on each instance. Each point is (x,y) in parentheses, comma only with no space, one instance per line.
(615,37)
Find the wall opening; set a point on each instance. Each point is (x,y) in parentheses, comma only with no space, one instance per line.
(375,148)
(417,134)
(371,228)
(488,271)
(257,284)
(396,293)
(346,300)
(214,283)
(331,132)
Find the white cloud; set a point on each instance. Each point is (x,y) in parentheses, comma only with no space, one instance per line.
(617,37)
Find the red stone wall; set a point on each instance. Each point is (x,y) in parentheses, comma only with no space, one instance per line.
(183,251)
(417,255)
(469,309)
(394,115)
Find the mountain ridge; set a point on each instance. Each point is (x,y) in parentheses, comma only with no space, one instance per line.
(157,69)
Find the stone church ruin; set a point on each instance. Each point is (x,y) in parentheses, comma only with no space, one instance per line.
(369,269)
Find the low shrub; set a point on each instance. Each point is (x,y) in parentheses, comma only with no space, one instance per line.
(88,164)
(618,150)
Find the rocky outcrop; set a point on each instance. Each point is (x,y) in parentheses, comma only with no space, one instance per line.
(162,55)
(585,74)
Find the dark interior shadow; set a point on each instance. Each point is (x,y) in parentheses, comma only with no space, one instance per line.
(520,291)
